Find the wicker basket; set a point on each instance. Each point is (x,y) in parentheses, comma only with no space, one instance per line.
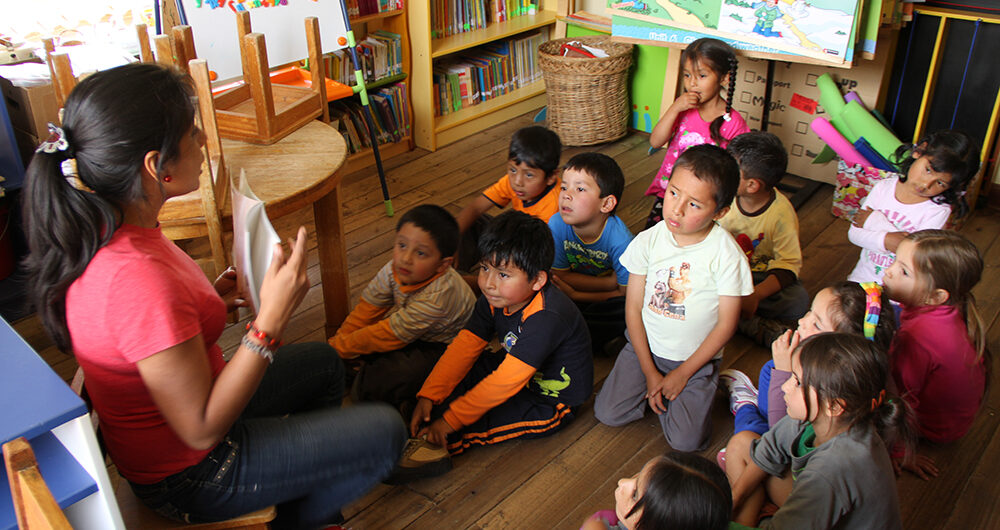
(588,98)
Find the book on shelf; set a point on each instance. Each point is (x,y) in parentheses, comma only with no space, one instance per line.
(485,72)
(361,8)
(450,17)
(380,55)
(390,116)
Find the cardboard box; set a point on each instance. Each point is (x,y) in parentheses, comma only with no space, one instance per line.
(795,103)
(26,145)
(30,108)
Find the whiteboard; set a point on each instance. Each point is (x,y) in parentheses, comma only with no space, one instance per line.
(213,23)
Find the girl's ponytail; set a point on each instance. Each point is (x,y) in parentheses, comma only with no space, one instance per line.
(716,127)
(894,421)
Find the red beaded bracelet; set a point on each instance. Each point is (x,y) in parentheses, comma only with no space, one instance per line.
(262,336)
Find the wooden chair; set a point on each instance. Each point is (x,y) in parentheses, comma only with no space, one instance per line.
(34,505)
(135,514)
(196,214)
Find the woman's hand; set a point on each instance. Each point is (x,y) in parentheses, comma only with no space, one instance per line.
(284,286)
(782,348)
(229,290)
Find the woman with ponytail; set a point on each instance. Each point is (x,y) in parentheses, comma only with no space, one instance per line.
(700,115)
(199,439)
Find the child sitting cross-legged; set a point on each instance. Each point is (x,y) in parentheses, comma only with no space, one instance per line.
(409,312)
(530,388)
(765,225)
(825,465)
(589,239)
(686,278)
(530,186)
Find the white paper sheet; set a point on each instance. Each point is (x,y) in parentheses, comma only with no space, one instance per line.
(253,239)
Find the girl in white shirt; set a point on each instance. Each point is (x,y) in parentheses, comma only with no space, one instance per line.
(934,175)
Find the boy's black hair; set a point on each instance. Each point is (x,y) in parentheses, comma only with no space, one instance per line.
(536,147)
(438,223)
(714,165)
(519,239)
(761,156)
(952,152)
(604,170)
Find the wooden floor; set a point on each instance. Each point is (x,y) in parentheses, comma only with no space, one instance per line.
(558,481)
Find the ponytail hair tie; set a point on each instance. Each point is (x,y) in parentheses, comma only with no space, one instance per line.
(727,116)
(877,401)
(873,307)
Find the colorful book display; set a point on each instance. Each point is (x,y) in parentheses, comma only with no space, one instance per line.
(361,8)
(450,17)
(381,55)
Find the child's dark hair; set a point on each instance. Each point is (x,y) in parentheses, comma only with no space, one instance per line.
(438,223)
(111,120)
(714,165)
(851,371)
(604,170)
(519,239)
(849,313)
(950,151)
(684,490)
(761,156)
(943,259)
(721,58)
(536,147)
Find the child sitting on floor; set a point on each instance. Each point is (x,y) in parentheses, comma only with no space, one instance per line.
(825,464)
(589,239)
(686,277)
(846,307)
(409,312)
(765,225)
(529,389)
(679,490)
(530,186)
(939,357)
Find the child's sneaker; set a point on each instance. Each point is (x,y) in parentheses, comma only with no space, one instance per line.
(720,458)
(421,459)
(741,389)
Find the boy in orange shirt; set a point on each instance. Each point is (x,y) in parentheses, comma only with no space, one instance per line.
(530,185)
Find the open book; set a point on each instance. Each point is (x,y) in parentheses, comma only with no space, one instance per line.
(253,239)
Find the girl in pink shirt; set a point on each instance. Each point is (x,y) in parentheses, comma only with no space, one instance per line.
(938,357)
(700,115)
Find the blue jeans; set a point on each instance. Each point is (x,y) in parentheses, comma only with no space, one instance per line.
(293,447)
(752,417)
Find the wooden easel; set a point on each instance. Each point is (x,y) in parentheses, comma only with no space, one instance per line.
(262,113)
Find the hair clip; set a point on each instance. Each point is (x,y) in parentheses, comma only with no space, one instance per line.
(726,117)
(873,307)
(877,402)
(55,142)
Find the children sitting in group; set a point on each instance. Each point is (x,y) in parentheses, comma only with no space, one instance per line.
(535,384)
(939,358)
(766,227)
(686,278)
(825,465)
(678,490)
(589,239)
(934,174)
(846,307)
(530,186)
(410,311)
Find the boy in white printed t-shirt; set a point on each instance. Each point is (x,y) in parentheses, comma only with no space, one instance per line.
(686,279)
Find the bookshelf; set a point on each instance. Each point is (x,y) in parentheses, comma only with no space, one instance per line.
(430,131)
(395,22)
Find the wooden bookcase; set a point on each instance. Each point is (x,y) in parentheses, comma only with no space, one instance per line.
(396,22)
(430,131)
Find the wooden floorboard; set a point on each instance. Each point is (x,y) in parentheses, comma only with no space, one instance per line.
(556,482)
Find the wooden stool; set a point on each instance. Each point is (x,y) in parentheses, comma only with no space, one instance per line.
(138,515)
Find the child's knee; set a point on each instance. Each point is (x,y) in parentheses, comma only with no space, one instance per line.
(738,446)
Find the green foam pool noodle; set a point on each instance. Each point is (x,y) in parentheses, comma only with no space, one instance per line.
(830,96)
(842,127)
(862,123)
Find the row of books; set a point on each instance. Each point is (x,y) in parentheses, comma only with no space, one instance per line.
(449,17)
(380,55)
(390,113)
(487,72)
(360,8)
